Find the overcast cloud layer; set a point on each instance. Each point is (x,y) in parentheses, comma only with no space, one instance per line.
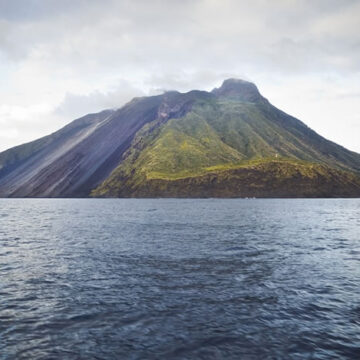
(62,59)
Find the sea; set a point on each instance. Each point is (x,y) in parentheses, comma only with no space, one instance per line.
(179,279)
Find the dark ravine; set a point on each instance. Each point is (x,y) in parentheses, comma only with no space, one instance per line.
(230,142)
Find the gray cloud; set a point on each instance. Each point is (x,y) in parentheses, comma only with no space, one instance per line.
(75,105)
(70,54)
(292,36)
(37,10)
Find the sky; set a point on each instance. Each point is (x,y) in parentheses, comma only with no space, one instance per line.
(60,60)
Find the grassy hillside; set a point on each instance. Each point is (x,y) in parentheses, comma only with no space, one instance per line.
(222,139)
(261,178)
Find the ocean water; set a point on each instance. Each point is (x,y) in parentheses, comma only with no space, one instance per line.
(179,279)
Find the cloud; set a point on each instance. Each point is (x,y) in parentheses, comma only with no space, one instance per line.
(75,105)
(185,34)
(20,124)
(79,56)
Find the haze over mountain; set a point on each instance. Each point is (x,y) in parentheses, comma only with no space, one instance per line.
(229,142)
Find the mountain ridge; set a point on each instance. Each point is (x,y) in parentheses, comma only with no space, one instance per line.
(175,136)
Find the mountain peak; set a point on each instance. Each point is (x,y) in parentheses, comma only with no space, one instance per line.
(239,89)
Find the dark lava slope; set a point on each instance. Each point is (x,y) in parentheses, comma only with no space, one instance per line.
(75,159)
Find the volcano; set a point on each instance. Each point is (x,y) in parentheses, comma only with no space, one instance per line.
(230,142)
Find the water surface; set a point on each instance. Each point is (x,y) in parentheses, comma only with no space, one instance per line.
(179,279)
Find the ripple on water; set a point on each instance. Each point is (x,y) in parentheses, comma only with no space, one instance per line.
(183,279)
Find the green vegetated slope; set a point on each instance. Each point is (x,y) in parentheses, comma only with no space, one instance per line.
(225,147)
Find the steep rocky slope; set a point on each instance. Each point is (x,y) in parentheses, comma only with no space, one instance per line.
(72,161)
